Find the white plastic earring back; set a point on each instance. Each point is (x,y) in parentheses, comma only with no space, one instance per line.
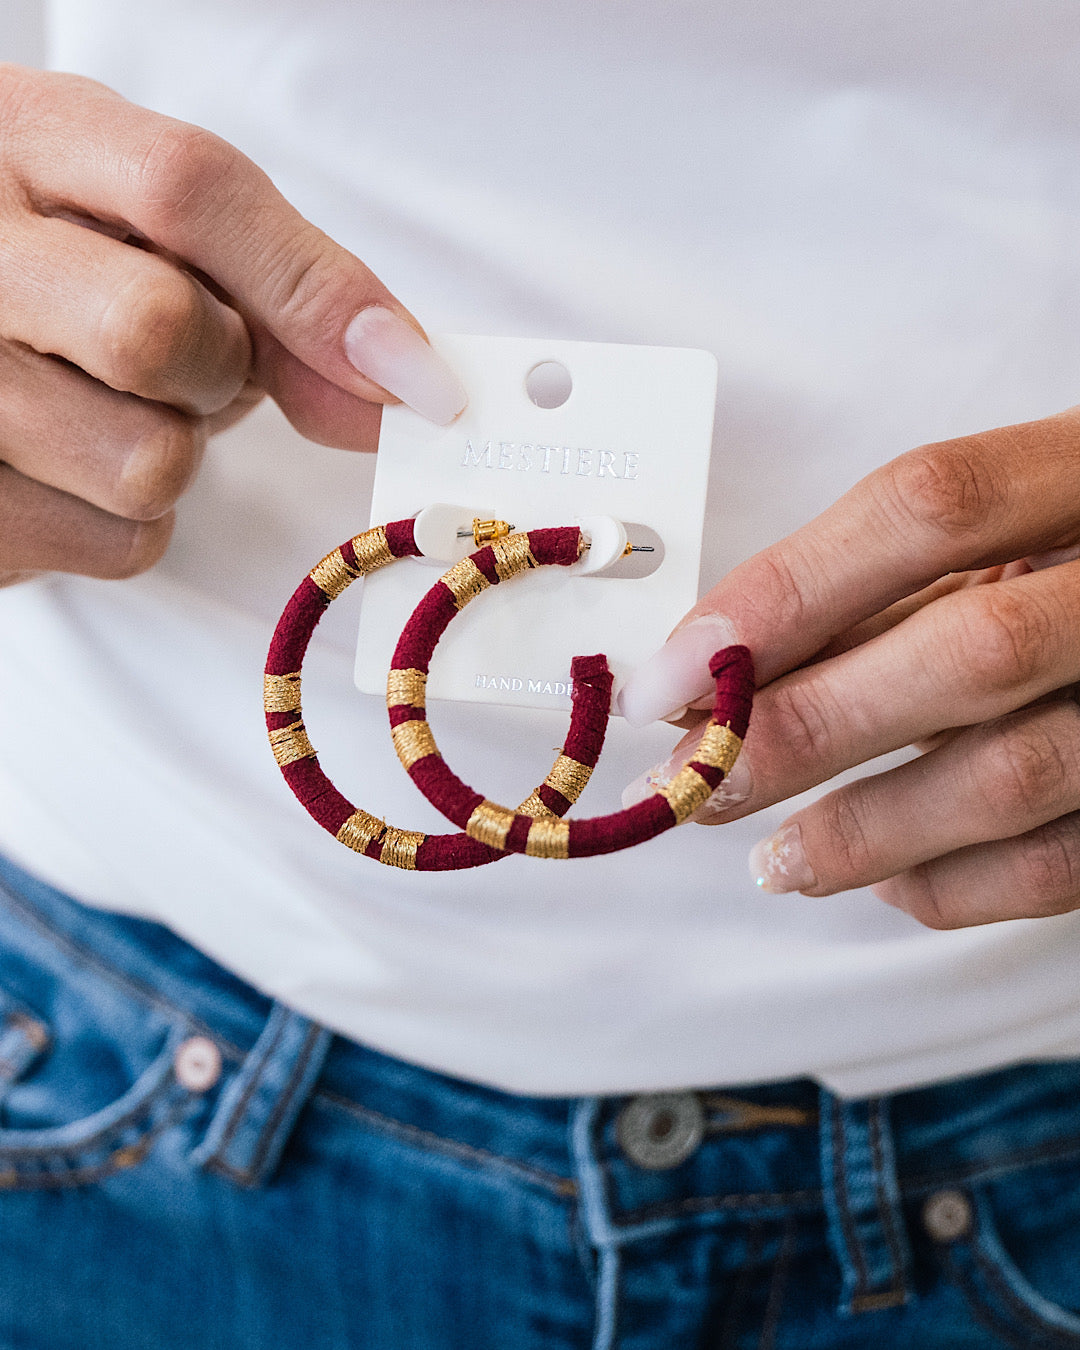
(443,532)
(607,542)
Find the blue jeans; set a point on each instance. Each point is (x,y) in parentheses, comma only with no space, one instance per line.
(184,1163)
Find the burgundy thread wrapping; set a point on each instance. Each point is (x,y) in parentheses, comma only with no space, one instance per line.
(732,670)
(622,829)
(430,619)
(304,775)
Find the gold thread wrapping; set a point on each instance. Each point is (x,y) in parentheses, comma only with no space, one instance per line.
(465,581)
(569,776)
(290,744)
(128,1156)
(512,555)
(548,839)
(685,793)
(413,741)
(333,574)
(281,693)
(533,805)
(718,748)
(372,551)
(359,830)
(406,686)
(490,824)
(399,848)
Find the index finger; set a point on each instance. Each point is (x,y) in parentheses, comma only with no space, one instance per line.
(974,502)
(79,144)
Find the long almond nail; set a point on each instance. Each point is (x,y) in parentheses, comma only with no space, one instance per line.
(778,864)
(382,346)
(678,673)
(733,791)
(659,776)
(735,788)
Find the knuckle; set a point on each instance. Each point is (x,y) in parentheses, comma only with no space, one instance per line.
(841,852)
(1025,772)
(1049,864)
(180,172)
(801,724)
(1005,640)
(916,893)
(932,905)
(141,546)
(950,487)
(159,468)
(769,588)
(147,329)
(303,286)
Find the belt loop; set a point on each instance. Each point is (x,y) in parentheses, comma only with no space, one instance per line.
(862,1203)
(259,1107)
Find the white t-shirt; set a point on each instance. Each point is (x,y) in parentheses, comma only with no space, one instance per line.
(868,213)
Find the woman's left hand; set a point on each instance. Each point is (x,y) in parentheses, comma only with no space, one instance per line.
(936,604)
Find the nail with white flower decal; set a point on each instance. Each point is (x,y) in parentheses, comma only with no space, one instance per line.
(778,864)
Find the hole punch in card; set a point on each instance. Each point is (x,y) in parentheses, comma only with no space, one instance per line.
(555,433)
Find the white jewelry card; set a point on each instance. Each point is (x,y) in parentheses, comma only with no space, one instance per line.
(631,441)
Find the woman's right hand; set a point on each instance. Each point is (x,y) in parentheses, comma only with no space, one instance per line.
(153,284)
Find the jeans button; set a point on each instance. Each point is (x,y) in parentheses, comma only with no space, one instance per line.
(660,1129)
(947,1216)
(197,1064)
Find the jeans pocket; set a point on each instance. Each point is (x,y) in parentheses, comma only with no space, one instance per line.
(86,1079)
(1019,1263)
(23,1039)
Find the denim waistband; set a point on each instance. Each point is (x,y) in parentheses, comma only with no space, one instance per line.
(767,1149)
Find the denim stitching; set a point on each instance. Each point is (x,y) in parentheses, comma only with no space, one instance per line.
(89,960)
(913,1186)
(778,1286)
(235,1118)
(164,1090)
(414,1134)
(1018,1308)
(284,1100)
(924,1181)
(984,1315)
(1011,1162)
(839,1171)
(779,1200)
(82,1176)
(228,1171)
(606,1315)
(886,1212)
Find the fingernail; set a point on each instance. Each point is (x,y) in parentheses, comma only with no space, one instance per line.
(677,674)
(733,791)
(382,346)
(778,864)
(1055,556)
(735,788)
(660,775)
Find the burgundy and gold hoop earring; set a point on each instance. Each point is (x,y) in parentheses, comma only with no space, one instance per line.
(296,756)
(515,831)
